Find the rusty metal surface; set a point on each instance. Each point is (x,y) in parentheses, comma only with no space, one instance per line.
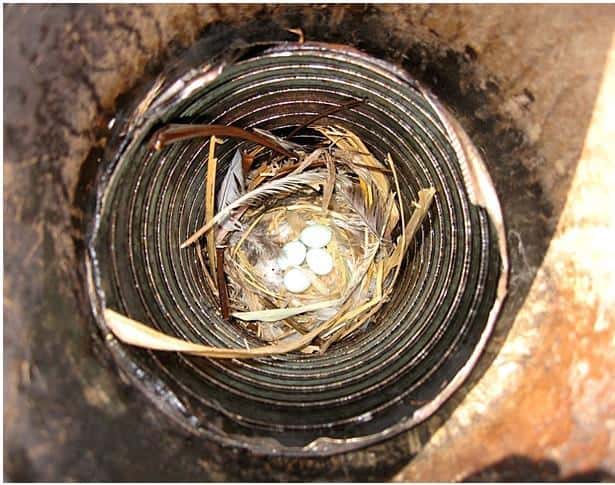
(549,394)
(523,87)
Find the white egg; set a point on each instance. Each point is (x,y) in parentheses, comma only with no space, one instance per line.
(316,236)
(293,254)
(296,280)
(319,261)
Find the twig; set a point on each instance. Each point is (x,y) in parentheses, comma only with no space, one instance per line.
(247,159)
(330,183)
(222,287)
(210,281)
(299,33)
(174,132)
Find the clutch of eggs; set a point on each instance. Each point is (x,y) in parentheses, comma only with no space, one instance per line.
(294,253)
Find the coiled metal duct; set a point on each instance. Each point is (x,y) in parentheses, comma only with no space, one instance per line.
(393,375)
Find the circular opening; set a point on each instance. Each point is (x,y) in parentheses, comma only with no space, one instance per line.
(420,345)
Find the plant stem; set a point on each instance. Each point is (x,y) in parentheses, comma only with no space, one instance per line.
(174,132)
(222,288)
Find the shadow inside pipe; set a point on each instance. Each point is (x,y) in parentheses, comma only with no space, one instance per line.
(519,468)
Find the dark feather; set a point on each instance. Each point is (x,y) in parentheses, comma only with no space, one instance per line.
(374,216)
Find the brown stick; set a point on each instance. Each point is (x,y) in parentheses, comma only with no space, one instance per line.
(173,132)
(208,277)
(330,183)
(247,159)
(327,112)
(222,288)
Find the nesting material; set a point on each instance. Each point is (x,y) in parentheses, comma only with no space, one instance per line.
(292,252)
(310,241)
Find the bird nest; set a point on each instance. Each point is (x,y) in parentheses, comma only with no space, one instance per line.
(265,200)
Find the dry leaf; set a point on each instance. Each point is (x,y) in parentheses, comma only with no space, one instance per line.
(136,333)
(210,189)
(278,314)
